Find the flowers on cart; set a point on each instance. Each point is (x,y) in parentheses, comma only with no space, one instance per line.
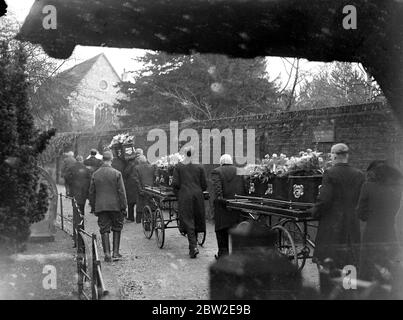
(169,161)
(306,163)
(123,138)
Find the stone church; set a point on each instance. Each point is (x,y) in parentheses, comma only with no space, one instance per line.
(93,92)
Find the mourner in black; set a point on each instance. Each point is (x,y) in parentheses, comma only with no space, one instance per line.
(131,188)
(68,162)
(378,205)
(143,176)
(93,163)
(189,182)
(338,235)
(80,178)
(226,185)
(108,198)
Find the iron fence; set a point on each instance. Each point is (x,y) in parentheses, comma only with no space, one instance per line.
(88,263)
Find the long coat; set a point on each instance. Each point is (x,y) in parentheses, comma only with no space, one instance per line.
(107,190)
(80,178)
(130,182)
(226,185)
(189,182)
(338,235)
(143,176)
(68,162)
(378,206)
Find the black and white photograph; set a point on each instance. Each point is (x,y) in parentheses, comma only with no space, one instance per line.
(199,155)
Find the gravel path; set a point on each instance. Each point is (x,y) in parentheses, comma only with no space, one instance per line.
(147,272)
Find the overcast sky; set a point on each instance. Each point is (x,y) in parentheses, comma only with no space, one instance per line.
(123,58)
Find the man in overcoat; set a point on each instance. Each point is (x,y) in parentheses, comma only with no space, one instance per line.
(131,188)
(108,198)
(338,235)
(143,176)
(80,178)
(68,162)
(226,184)
(189,182)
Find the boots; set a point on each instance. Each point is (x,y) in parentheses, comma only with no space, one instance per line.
(139,215)
(116,243)
(107,247)
(193,251)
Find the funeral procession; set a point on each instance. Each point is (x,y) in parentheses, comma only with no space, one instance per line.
(201,151)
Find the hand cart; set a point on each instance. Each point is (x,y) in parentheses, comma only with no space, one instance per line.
(161,211)
(289,219)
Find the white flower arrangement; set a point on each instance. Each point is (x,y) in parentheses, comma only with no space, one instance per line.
(308,162)
(123,138)
(169,160)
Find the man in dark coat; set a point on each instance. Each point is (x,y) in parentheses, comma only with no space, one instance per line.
(93,163)
(68,162)
(226,185)
(143,176)
(189,182)
(131,188)
(338,234)
(378,206)
(108,198)
(80,178)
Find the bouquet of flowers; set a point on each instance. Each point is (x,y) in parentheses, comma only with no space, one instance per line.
(308,163)
(165,167)
(120,139)
(169,161)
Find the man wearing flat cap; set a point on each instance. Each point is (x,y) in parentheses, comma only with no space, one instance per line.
(108,199)
(338,234)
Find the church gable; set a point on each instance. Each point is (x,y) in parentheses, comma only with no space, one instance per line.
(94,96)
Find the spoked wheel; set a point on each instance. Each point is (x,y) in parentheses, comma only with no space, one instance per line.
(148,222)
(201,238)
(285,245)
(297,234)
(159,228)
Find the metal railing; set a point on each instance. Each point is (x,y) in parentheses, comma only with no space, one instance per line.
(88,263)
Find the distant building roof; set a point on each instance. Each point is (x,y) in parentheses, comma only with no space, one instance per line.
(75,74)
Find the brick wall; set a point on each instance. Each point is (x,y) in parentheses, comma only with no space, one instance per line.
(370,130)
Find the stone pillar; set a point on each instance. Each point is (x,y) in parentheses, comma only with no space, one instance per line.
(45,230)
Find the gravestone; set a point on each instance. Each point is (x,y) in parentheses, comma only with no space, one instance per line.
(45,230)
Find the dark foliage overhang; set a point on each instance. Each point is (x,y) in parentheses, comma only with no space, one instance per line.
(311,29)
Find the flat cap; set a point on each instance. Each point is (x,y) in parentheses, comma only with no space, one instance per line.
(339,148)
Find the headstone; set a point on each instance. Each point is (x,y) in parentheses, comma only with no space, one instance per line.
(45,230)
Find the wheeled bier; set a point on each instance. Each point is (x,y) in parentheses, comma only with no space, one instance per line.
(161,213)
(289,219)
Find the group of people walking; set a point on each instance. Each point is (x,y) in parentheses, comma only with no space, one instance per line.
(347,196)
(109,191)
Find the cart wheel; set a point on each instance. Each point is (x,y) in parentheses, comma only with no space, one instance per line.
(297,234)
(159,228)
(285,245)
(201,238)
(148,222)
